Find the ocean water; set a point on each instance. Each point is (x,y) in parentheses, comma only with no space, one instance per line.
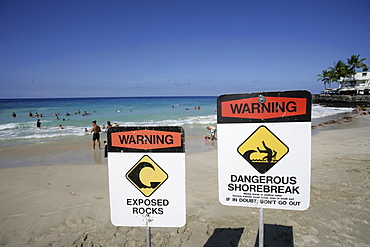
(125,111)
(128,111)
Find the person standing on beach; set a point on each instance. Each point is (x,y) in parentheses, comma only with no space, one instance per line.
(38,124)
(96,136)
(212,132)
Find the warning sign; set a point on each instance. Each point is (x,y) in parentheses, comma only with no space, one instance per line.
(146,176)
(146,139)
(264,107)
(290,106)
(146,167)
(263,149)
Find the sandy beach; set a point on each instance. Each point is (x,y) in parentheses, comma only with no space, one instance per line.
(58,196)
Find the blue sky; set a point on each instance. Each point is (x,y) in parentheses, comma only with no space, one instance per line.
(177,47)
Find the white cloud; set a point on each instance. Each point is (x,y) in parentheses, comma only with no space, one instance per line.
(179,83)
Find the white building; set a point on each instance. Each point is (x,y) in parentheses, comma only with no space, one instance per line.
(357,84)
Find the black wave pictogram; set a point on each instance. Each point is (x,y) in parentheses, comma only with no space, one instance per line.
(135,176)
(264,164)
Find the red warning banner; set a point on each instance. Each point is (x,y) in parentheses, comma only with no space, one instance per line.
(146,139)
(271,107)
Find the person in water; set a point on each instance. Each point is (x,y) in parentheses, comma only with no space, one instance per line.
(38,124)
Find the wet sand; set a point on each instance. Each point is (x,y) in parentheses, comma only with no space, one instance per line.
(59,197)
(75,151)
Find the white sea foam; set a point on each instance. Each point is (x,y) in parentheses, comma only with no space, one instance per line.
(195,120)
(8,126)
(319,111)
(22,131)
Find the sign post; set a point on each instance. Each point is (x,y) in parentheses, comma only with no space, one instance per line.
(146,167)
(264,150)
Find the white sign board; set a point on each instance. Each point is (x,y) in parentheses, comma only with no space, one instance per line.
(264,149)
(146,167)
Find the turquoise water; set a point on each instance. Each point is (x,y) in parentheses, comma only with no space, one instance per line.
(126,111)
(134,111)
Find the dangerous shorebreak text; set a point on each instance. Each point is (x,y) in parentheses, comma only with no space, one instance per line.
(264,184)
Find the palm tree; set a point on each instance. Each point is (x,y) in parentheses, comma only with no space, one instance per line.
(325,77)
(365,68)
(354,62)
(340,70)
